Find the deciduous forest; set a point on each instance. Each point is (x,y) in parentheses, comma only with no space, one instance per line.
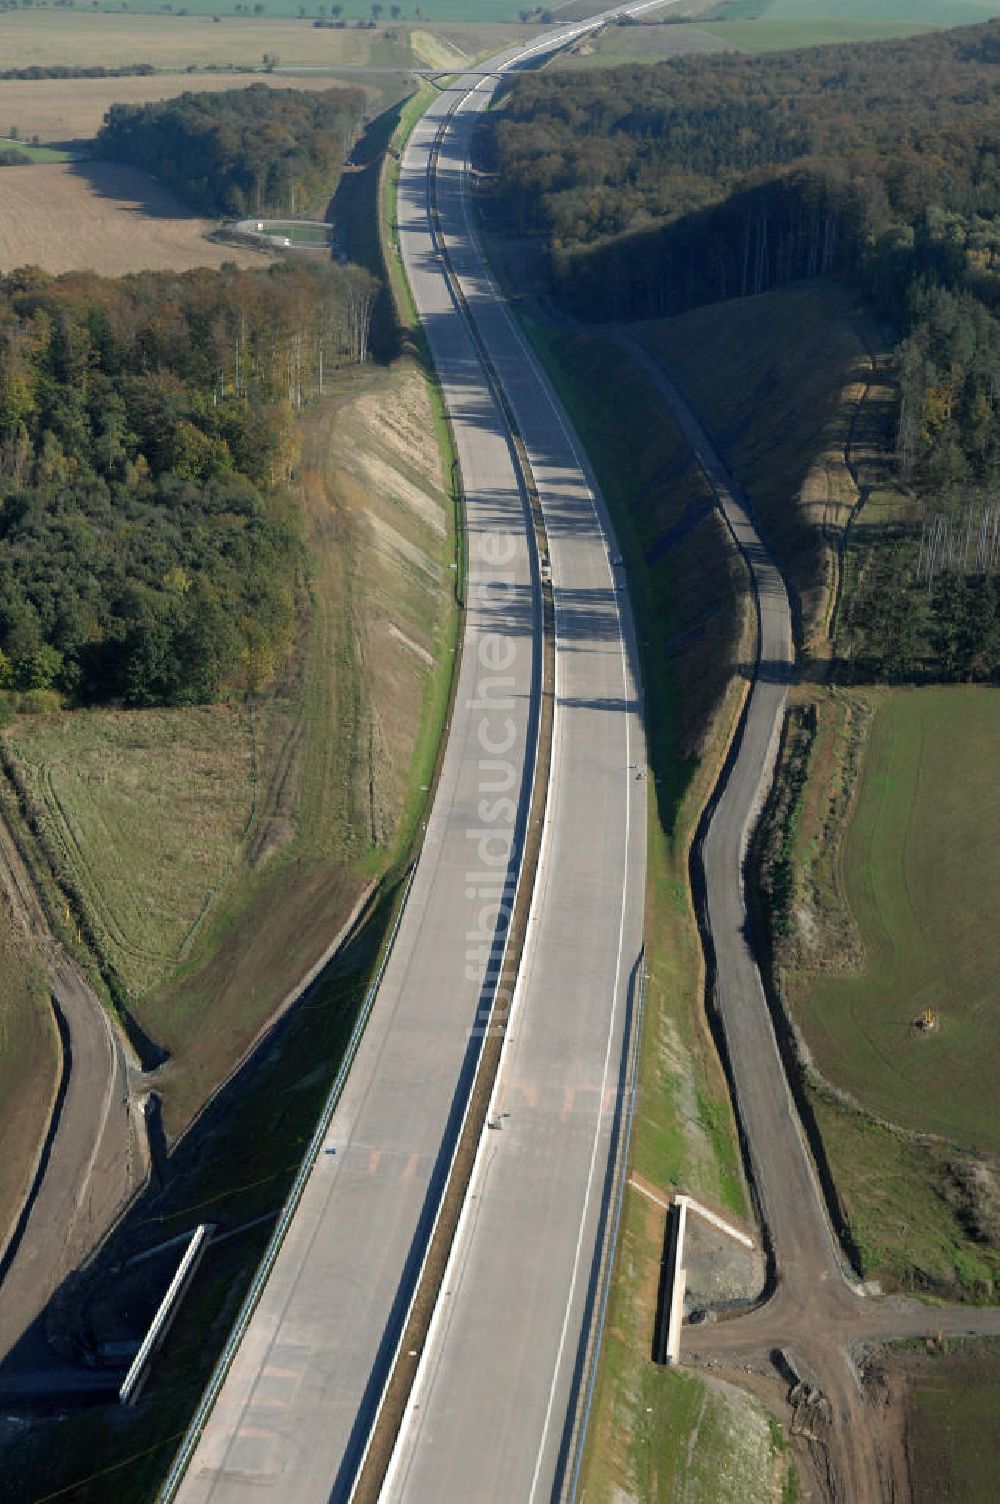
(242,151)
(658,188)
(149,545)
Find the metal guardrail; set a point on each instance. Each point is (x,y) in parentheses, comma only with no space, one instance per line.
(165,1313)
(194,1431)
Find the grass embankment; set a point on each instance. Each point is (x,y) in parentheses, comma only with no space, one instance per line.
(656,1434)
(777,379)
(29,1066)
(148,811)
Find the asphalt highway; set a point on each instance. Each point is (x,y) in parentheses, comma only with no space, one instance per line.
(300,1395)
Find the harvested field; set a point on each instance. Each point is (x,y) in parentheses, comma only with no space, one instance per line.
(104,217)
(30,38)
(73,109)
(39,38)
(29,1060)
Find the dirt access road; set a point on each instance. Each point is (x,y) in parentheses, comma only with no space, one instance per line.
(94,1155)
(818,1319)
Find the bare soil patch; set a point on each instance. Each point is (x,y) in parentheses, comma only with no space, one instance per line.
(948,1394)
(105,217)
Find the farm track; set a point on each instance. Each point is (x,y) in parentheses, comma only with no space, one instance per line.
(817,1320)
(94,1157)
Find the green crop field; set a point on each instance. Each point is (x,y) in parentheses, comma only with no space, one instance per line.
(877,12)
(920,864)
(939,12)
(35,153)
(783,34)
(774,25)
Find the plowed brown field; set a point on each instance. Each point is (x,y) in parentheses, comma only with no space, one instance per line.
(103,217)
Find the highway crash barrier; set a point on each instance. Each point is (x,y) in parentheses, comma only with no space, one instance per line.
(166,1311)
(667,1339)
(673,1275)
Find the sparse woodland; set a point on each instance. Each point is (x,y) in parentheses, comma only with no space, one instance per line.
(662,187)
(150,547)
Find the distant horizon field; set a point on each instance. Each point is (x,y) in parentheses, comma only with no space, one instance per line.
(920,867)
(786,34)
(935,12)
(928,12)
(192,41)
(451,11)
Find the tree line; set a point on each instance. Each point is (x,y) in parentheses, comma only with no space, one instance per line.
(74,70)
(657,188)
(240,152)
(149,547)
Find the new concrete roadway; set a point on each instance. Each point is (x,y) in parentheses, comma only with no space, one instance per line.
(298,1401)
(491,1411)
